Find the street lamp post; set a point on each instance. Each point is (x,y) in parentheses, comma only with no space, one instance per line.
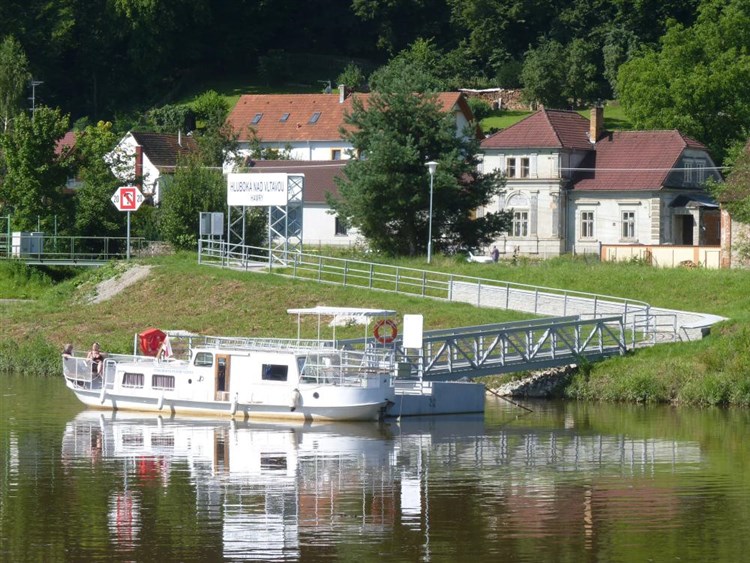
(431,166)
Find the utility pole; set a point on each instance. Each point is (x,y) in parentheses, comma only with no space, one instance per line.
(34,84)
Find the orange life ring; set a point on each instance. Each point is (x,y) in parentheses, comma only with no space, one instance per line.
(389,334)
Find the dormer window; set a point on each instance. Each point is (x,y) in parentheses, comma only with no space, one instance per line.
(256,119)
(284,118)
(314,118)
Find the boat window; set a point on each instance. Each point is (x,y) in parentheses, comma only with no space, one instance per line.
(204,359)
(132,380)
(273,462)
(165,382)
(275,372)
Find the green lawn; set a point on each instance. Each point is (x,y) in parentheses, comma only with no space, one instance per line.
(614,118)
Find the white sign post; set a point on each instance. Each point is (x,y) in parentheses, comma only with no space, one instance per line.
(128,198)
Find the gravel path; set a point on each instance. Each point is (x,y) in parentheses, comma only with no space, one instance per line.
(111,287)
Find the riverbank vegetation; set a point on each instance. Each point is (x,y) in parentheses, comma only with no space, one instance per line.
(179,293)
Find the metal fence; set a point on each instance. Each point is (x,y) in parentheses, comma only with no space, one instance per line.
(482,292)
(40,249)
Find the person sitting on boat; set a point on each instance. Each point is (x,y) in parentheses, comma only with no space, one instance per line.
(96,358)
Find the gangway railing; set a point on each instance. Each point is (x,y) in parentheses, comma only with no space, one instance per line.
(482,292)
(501,348)
(39,249)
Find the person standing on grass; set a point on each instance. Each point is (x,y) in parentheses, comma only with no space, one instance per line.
(495,253)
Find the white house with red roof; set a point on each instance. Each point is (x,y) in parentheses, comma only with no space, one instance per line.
(573,187)
(308,126)
(146,157)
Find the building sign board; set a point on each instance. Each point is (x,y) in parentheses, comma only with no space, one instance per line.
(257,190)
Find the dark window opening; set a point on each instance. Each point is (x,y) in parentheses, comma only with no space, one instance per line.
(275,372)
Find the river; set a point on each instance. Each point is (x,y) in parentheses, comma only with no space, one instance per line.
(565,482)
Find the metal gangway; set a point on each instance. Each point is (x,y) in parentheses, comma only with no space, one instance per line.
(474,351)
(39,249)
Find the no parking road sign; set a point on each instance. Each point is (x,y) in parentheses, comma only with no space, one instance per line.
(127,198)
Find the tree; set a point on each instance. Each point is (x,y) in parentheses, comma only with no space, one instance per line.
(35,176)
(734,194)
(95,214)
(543,76)
(193,189)
(352,78)
(696,81)
(214,136)
(386,193)
(14,78)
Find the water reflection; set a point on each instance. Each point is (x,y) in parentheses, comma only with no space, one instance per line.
(274,492)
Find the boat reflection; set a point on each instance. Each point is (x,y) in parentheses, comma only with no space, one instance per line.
(273,491)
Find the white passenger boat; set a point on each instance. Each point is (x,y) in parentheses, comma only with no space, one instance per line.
(250,378)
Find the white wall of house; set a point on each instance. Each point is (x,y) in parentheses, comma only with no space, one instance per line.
(319,227)
(613,218)
(122,163)
(532,191)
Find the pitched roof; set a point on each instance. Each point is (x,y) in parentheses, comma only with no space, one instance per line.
(67,143)
(633,160)
(319,175)
(162,149)
(546,128)
(285,118)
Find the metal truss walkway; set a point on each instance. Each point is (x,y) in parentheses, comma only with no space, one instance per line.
(475,351)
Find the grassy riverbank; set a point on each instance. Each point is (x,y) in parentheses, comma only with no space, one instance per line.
(181,294)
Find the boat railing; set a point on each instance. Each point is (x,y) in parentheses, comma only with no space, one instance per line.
(82,372)
(262,344)
(347,367)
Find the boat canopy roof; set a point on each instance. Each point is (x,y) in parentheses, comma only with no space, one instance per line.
(343,315)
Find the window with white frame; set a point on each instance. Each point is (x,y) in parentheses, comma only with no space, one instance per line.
(520,225)
(700,171)
(587,224)
(510,167)
(525,167)
(628,225)
(688,171)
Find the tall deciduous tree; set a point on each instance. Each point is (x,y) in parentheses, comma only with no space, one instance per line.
(386,193)
(696,81)
(193,189)
(14,79)
(95,213)
(35,175)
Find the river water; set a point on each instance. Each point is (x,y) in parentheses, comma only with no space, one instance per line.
(565,482)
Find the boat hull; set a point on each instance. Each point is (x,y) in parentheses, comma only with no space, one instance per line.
(350,412)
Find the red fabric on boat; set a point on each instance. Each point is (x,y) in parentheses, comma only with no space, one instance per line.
(150,340)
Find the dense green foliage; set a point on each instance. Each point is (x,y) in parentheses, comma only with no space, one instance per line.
(695,80)
(97,58)
(32,187)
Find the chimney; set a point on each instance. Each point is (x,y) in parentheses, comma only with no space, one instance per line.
(179,137)
(596,123)
(342,93)
(139,165)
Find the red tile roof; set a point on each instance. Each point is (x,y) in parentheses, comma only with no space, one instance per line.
(547,128)
(300,107)
(67,143)
(319,175)
(163,149)
(633,160)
